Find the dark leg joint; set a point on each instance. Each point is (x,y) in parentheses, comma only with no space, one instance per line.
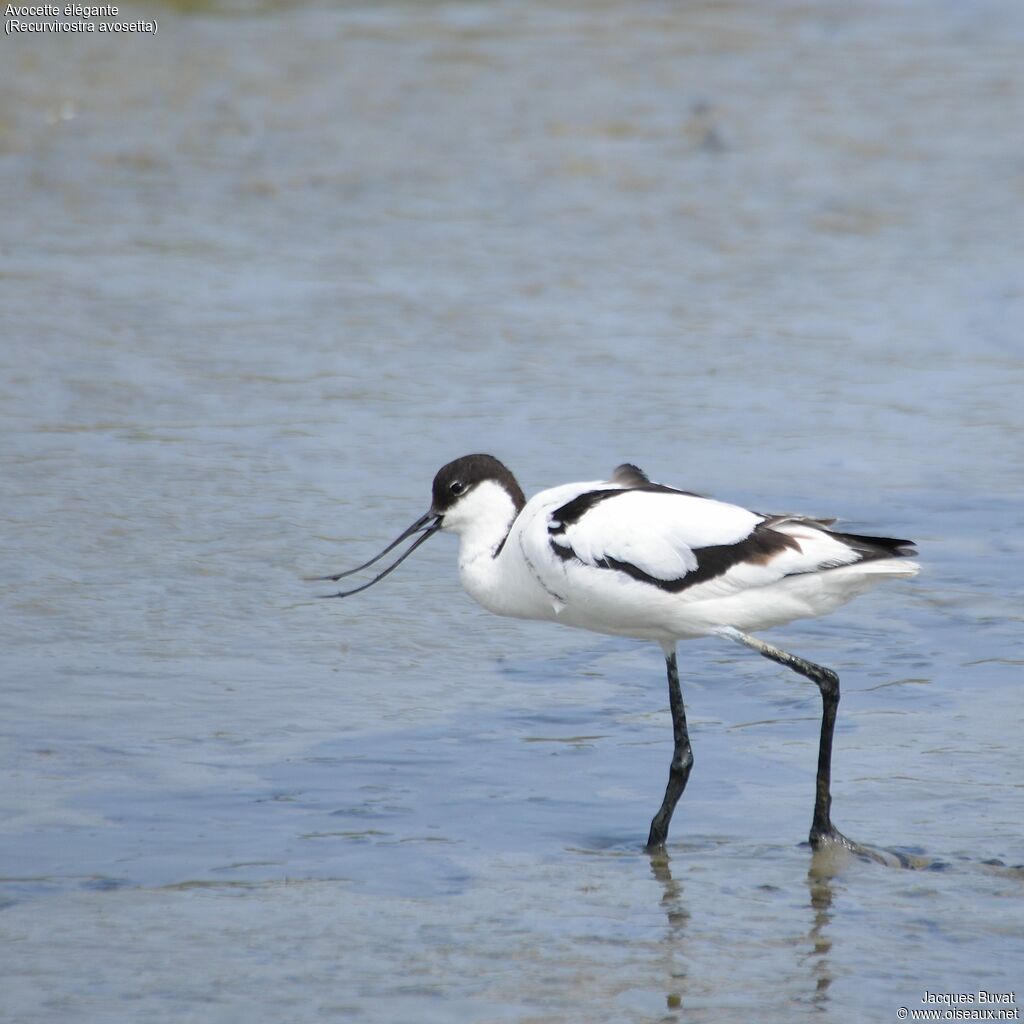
(830,836)
(678,776)
(828,682)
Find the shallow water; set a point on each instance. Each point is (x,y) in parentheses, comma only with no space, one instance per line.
(265,272)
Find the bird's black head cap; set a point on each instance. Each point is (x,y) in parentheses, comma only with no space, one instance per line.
(463,474)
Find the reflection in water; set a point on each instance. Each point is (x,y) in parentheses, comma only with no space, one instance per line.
(822,870)
(825,865)
(813,955)
(678,916)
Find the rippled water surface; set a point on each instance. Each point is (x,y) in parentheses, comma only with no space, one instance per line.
(264,272)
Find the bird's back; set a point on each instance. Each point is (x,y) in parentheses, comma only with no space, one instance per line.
(646,560)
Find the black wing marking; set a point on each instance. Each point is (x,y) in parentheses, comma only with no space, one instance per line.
(573,511)
(758,547)
(765,541)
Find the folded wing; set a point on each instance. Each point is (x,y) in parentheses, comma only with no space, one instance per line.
(676,541)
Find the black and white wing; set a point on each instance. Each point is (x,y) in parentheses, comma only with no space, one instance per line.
(674,540)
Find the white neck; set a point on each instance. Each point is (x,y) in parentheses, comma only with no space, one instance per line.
(482,520)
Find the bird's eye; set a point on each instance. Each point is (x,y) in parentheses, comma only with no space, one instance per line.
(457,487)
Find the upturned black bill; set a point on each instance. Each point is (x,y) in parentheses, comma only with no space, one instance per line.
(423,524)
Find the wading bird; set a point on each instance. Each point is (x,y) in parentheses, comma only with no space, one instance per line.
(630,557)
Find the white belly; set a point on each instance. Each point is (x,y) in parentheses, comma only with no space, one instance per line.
(610,603)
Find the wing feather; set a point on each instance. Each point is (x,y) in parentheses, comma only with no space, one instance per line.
(657,532)
(680,542)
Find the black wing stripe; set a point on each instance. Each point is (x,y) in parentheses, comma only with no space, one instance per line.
(712,561)
(758,548)
(870,548)
(573,511)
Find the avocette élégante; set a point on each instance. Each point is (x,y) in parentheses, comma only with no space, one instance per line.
(630,557)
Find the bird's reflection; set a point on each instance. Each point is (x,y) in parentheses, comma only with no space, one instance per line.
(672,894)
(678,917)
(685,946)
(815,954)
(825,865)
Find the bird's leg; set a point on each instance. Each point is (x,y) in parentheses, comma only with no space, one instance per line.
(682,756)
(823,832)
